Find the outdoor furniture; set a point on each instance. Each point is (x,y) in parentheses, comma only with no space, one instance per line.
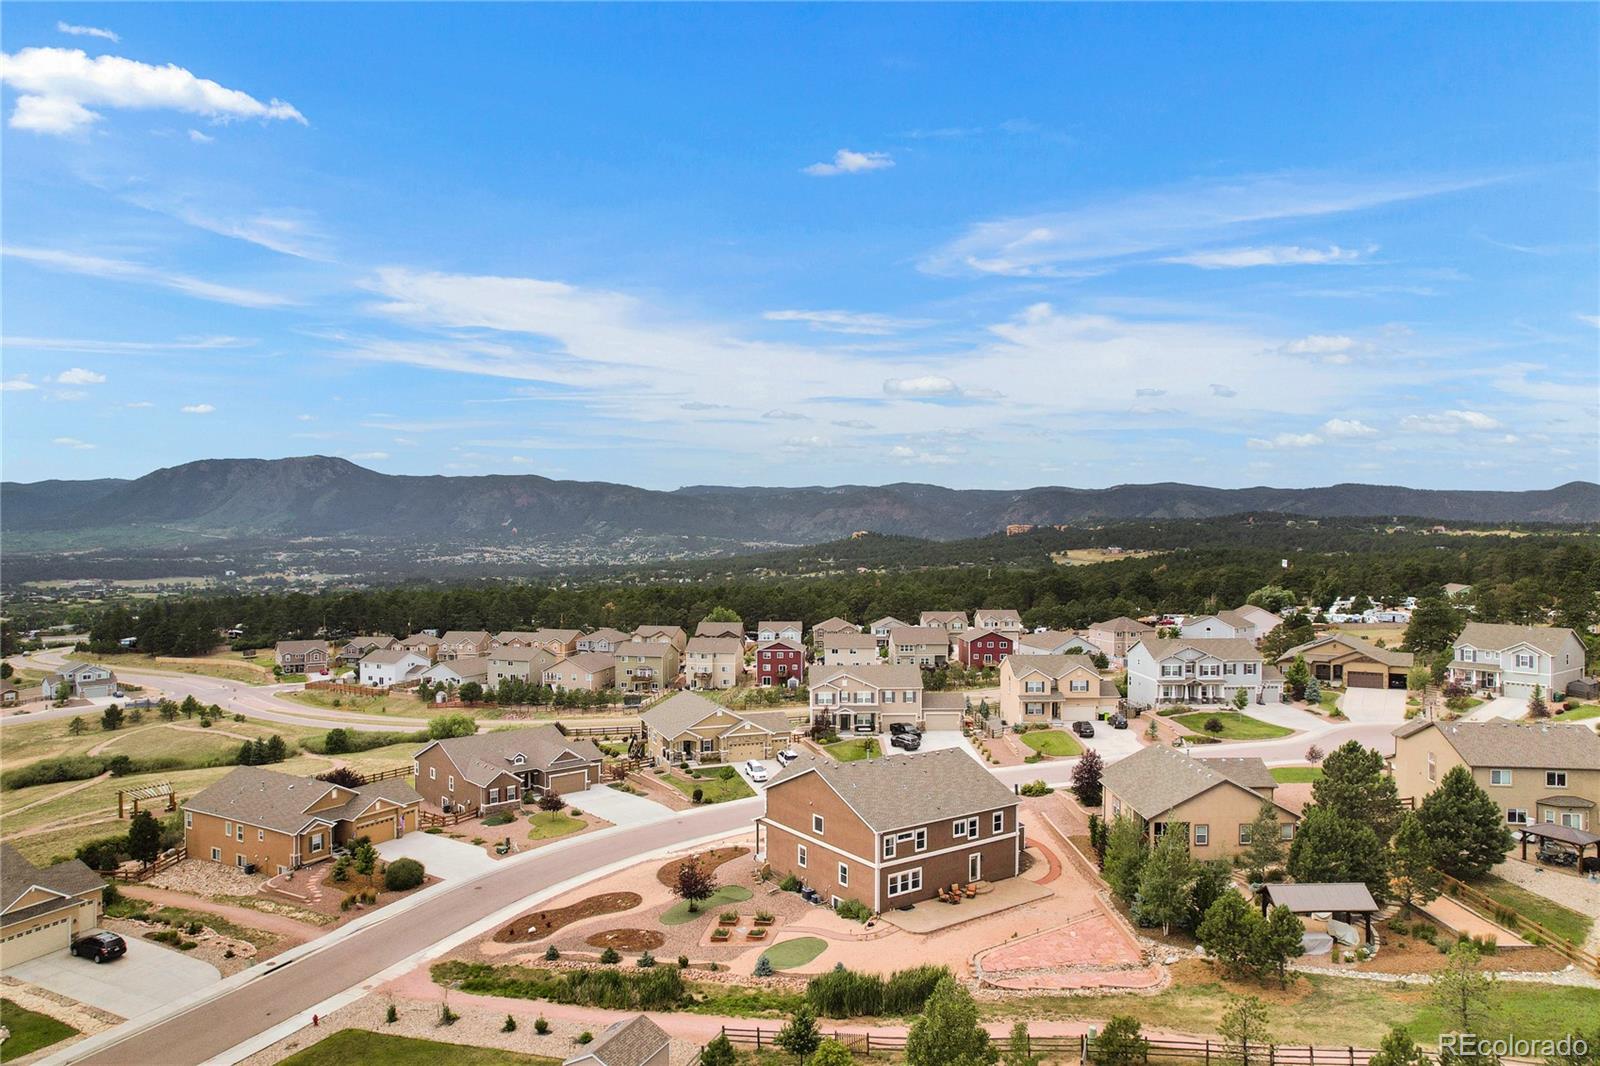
(1555,838)
(972,891)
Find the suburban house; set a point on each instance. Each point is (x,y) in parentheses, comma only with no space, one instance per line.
(1341,660)
(426,643)
(1199,670)
(1115,636)
(1534,772)
(794,631)
(387,667)
(518,662)
(585,671)
(869,699)
(780,663)
(830,626)
(358,648)
(44,909)
(686,727)
(890,832)
(980,649)
(301,656)
(464,644)
(1216,798)
(848,648)
(1513,660)
(1055,642)
(954,621)
(708,628)
(1263,620)
(926,646)
(644,666)
(456,672)
(1000,621)
(602,640)
(278,822)
(557,642)
(673,635)
(80,680)
(489,770)
(1053,689)
(881,629)
(638,1041)
(1223,624)
(714,662)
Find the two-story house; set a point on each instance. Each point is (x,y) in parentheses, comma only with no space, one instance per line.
(794,631)
(673,635)
(1535,772)
(357,648)
(881,629)
(924,646)
(830,626)
(646,666)
(707,628)
(997,620)
(1513,660)
(557,642)
(84,681)
(519,662)
(1217,799)
(714,662)
(870,699)
(1199,671)
(849,648)
(1053,690)
(1340,660)
(584,671)
(890,832)
(982,649)
(464,644)
(387,667)
(1222,625)
(780,664)
(686,727)
(954,621)
(489,770)
(302,656)
(453,673)
(1055,642)
(603,640)
(426,643)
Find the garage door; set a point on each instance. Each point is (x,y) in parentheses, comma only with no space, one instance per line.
(378,829)
(571,781)
(1397,680)
(1363,679)
(938,720)
(1517,688)
(32,943)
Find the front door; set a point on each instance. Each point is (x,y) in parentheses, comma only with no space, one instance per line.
(975,866)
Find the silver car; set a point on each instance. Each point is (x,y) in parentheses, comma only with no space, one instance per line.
(756,771)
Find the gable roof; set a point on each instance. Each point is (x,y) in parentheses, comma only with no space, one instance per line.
(779,627)
(516,653)
(1157,778)
(1051,665)
(707,628)
(18,877)
(1516,745)
(887,619)
(1226,648)
(877,675)
(715,646)
(1260,616)
(278,801)
(849,638)
(682,710)
(919,635)
(1123,624)
(467,668)
(835,625)
(459,636)
(1355,644)
(903,790)
(421,640)
(389,656)
(942,616)
(1005,614)
(605,633)
(283,647)
(1054,639)
(791,645)
(627,1043)
(588,662)
(643,649)
(674,634)
(1548,639)
(483,757)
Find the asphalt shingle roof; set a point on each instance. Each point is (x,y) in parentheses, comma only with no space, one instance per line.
(278,801)
(1516,745)
(1548,639)
(903,790)
(627,1043)
(18,875)
(484,756)
(1156,779)
(878,675)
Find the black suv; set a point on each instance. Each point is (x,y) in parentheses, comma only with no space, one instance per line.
(101,947)
(1083,729)
(898,728)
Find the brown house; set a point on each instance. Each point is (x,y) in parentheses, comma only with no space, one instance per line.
(1115,636)
(687,727)
(888,832)
(358,648)
(278,822)
(1341,660)
(490,770)
(463,644)
(1216,799)
(587,671)
(302,656)
(43,909)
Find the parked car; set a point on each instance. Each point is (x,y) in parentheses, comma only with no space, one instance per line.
(101,947)
(908,741)
(898,728)
(1117,721)
(1083,729)
(788,755)
(756,770)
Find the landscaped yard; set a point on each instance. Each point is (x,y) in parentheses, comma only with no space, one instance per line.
(548,825)
(853,750)
(1296,775)
(29,1030)
(714,788)
(797,952)
(1055,742)
(361,1047)
(1235,726)
(1565,922)
(679,913)
(1578,714)
(1329,701)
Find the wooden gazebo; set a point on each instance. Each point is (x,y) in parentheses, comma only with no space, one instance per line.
(1579,840)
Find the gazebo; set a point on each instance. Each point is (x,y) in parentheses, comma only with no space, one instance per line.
(1349,898)
(1579,840)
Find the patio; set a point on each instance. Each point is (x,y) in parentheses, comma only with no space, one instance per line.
(931,916)
(1562,840)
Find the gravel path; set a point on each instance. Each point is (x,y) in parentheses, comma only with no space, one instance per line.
(1569,890)
(288,929)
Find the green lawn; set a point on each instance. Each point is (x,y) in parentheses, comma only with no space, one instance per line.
(714,788)
(1565,922)
(1057,742)
(1578,714)
(225,667)
(791,953)
(30,1031)
(679,914)
(1330,700)
(853,750)
(1296,775)
(548,825)
(359,1047)
(1235,726)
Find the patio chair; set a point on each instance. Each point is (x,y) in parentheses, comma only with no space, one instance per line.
(972,891)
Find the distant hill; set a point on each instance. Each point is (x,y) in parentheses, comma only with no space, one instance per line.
(323,497)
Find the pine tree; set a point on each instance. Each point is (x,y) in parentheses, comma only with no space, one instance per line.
(1280,938)
(1264,852)
(1433,626)
(1330,848)
(1229,933)
(1356,786)
(719,1052)
(1244,1022)
(1398,1049)
(1313,691)
(1019,1047)
(1464,825)
(1166,879)
(1461,991)
(1413,869)
(947,1032)
(800,1037)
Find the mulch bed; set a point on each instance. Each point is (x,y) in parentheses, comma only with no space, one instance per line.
(709,861)
(628,939)
(541,924)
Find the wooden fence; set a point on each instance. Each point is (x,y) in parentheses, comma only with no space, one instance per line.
(172,858)
(622,731)
(1493,911)
(378,775)
(428,818)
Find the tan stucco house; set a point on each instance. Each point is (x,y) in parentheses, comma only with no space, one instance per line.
(1216,798)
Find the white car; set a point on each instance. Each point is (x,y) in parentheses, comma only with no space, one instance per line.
(787,756)
(756,771)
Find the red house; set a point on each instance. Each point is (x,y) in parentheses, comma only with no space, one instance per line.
(977,649)
(780,663)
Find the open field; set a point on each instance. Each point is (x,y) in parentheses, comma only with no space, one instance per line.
(30,1030)
(1235,726)
(361,1047)
(228,667)
(1391,633)
(404,704)
(1056,742)
(1090,556)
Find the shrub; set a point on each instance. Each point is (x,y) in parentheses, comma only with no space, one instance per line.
(763,967)
(509,1026)
(447,1016)
(790,883)
(843,993)
(1036,788)
(645,961)
(699,795)
(683,962)
(541,1026)
(585,1037)
(403,875)
(854,910)
(551,954)
(609,957)
(391,1015)
(499,818)
(1214,724)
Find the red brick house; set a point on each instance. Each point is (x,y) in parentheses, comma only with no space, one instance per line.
(781,663)
(979,649)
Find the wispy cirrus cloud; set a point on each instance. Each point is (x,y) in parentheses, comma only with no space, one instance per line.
(847,321)
(1268,255)
(126,270)
(1348,428)
(846,161)
(1450,422)
(1284,440)
(198,409)
(69,344)
(68,28)
(72,442)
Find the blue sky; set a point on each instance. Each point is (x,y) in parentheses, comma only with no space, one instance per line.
(977,246)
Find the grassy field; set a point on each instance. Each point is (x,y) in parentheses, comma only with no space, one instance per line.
(1391,633)
(547,825)
(1090,556)
(1235,726)
(404,704)
(713,788)
(1057,742)
(796,952)
(1295,775)
(361,1047)
(29,1030)
(854,750)
(679,913)
(1565,922)
(224,667)
(1578,714)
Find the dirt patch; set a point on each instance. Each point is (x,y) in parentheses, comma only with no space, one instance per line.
(1200,972)
(540,924)
(709,861)
(628,939)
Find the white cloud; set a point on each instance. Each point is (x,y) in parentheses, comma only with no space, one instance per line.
(846,321)
(1149,393)
(1319,344)
(1284,440)
(287,232)
(198,409)
(847,162)
(18,384)
(925,385)
(1593,320)
(1223,391)
(79,376)
(1348,428)
(201,138)
(67,344)
(72,442)
(139,404)
(805,444)
(59,86)
(369,455)
(780,415)
(915,457)
(1163,222)
(1269,255)
(85,31)
(125,270)
(1449,422)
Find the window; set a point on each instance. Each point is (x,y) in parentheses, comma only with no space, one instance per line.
(1033,686)
(909,696)
(921,838)
(227,829)
(888,847)
(1516,816)
(1433,769)
(800,857)
(844,875)
(1249,669)
(238,833)
(1499,777)
(1078,685)
(433,773)
(999,822)
(450,783)
(816,824)
(188,820)
(494,795)
(1202,835)
(238,860)
(888,695)
(1524,662)
(1555,779)
(1286,831)
(824,697)
(707,745)
(261,835)
(1244,836)
(216,854)
(316,842)
(901,883)
(965,828)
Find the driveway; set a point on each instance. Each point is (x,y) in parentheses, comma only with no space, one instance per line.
(1114,744)
(619,808)
(453,860)
(934,740)
(1500,707)
(1374,706)
(149,977)
(1286,715)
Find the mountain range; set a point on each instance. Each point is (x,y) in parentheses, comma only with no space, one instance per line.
(324,497)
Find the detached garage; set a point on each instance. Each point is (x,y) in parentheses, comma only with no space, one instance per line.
(43,910)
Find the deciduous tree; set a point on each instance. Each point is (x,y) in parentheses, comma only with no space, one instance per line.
(1086,778)
(1126,851)
(694,884)
(947,1032)
(1166,880)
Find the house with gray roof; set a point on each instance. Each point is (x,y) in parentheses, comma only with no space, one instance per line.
(387,667)
(85,681)
(1509,660)
(489,770)
(1214,799)
(688,728)
(463,644)
(1000,620)
(636,1041)
(301,656)
(1199,670)
(44,909)
(870,699)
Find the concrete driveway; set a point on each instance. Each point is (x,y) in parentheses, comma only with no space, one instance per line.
(149,977)
(1114,744)
(619,808)
(1500,707)
(452,860)
(1375,706)
(934,740)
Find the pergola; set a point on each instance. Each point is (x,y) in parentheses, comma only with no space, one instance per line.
(1334,897)
(1579,840)
(161,790)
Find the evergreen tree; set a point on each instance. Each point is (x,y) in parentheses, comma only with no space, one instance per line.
(1398,1049)
(1413,866)
(800,1037)
(1019,1049)
(719,1052)
(1126,851)
(828,1053)
(1212,879)
(1229,933)
(1463,993)
(1433,627)
(277,750)
(1166,879)
(1264,852)
(1330,848)
(1120,1043)
(111,718)
(144,837)
(1245,1022)
(947,1032)
(1356,786)
(1297,677)
(1313,691)
(76,726)
(1464,825)
(247,754)
(1279,939)
(1536,704)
